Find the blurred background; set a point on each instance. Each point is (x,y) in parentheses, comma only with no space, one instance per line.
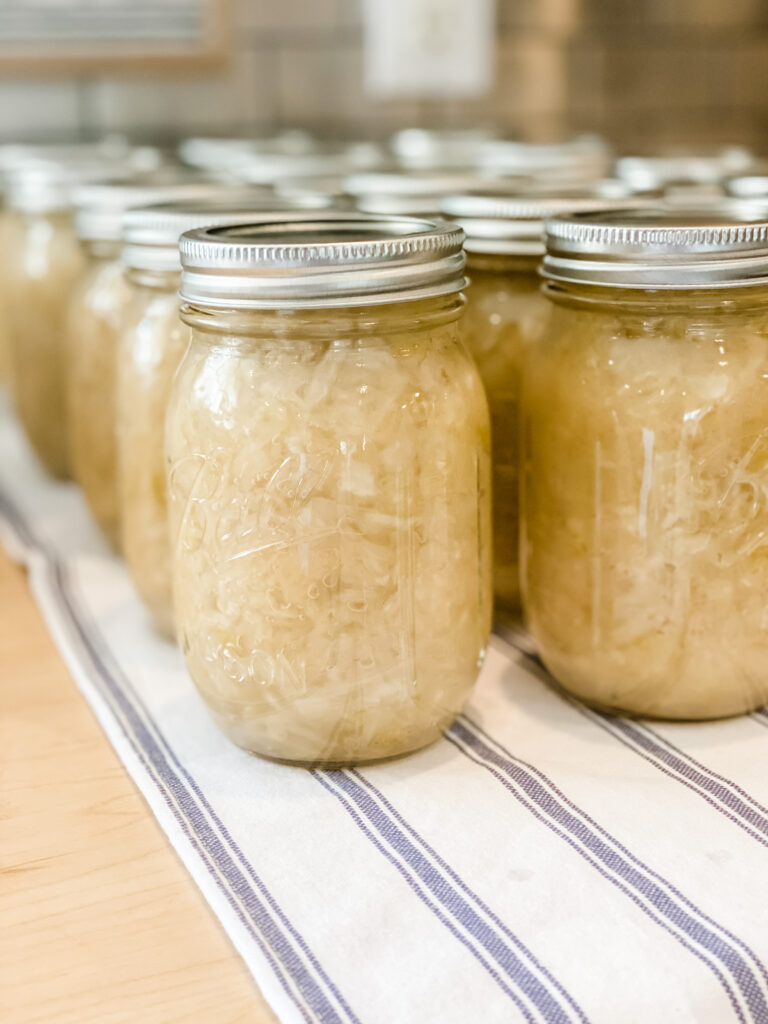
(645,73)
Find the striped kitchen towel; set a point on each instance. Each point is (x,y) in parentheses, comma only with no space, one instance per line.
(541,863)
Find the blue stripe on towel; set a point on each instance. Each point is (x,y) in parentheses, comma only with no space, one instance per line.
(438,887)
(271,931)
(721,793)
(718,791)
(737,968)
(292,962)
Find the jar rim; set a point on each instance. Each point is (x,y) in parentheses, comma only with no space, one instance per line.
(151,233)
(660,170)
(43,184)
(100,206)
(719,245)
(752,184)
(339,259)
(503,221)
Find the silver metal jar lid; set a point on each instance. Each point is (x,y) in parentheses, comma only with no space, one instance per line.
(415,194)
(582,159)
(425,148)
(607,188)
(269,166)
(398,204)
(151,233)
(99,207)
(332,261)
(216,153)
(41,184)
(504,223)
(753,185)
(327,186)
(721,246)
(678,168)
(399,183)
(13,154)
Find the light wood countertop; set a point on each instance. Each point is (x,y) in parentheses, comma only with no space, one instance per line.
(99,921)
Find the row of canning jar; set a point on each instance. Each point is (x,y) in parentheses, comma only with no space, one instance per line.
(327,444)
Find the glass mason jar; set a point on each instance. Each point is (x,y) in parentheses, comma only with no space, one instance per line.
(645,484)
(328,463)
(681,169)
(153,340)
(5,260)
(38,281)
(574,163)
(506,314)
(96,318)
(751,184)
(151,346)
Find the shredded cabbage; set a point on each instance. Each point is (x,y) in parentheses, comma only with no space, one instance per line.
(45,261)
(150,350)
(329,505)
(505,314)
(645,504)
(5,259)
(96,316)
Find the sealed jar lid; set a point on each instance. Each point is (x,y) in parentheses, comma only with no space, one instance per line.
(99,207)
(269,166)
(602,188)
(399,183)
(390,204)
(216,153)
(334,261)
(151,233)
(42,184)
(576,161)
(44,177)
(748,186)
(715,247)
(425,148)
(498,222)
(13,154)
(676,169)
(329,187)
(398,194)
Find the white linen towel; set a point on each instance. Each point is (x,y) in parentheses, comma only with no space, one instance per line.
(541,863)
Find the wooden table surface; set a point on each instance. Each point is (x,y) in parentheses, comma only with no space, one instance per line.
(99,921)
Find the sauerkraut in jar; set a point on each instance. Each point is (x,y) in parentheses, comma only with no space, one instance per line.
(5,355)
(328,463)
(151,347)
(96,317)
(645,486)
(152,342)
(505,314)
(40,275)
(94,320)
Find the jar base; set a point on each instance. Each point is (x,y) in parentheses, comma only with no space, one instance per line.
(163,623)
(515,634)
(324,763)
(644,716)
(338,765)
(616,711)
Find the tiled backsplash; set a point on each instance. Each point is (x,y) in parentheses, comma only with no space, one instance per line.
(641,71)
